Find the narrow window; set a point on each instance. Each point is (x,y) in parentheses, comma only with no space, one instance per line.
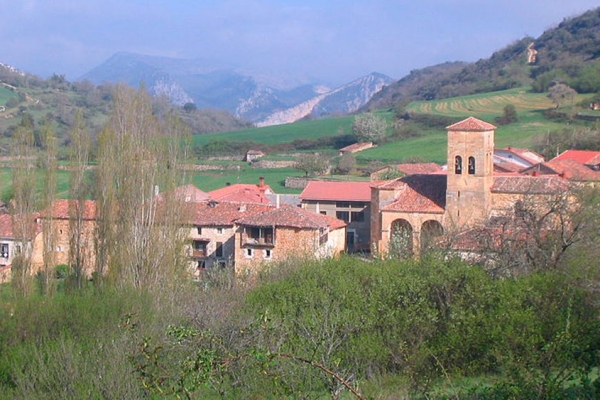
(199,230)
(4,250)
(249,253)
(268,254)
(471,165)
(458,165)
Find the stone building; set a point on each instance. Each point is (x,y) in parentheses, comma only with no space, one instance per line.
(471,191)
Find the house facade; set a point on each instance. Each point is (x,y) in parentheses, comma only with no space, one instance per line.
(285,232)
(347,201)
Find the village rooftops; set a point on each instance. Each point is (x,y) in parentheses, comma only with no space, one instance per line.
(292,217)
(224,213)
(585,157)
(243,193)
(337,191)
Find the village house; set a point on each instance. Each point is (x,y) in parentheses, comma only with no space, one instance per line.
(12,242)
(347,201)
(212,230)
(243,193)
(422,207)
(284,232)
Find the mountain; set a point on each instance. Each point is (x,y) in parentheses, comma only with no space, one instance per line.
(344,100)
(246,95)
(568,53)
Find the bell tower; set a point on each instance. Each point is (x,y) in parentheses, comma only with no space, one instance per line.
(470,172)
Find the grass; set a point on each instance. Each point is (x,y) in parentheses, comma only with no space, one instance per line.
(284,133)
(5,94)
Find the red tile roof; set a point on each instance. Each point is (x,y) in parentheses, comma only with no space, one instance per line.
(586,157)
(471,124)
(337,191)
(243,193)
(418,168)
(292,217)
(418,193)
(217,213)
(60,209)
(571,170)
(530,184)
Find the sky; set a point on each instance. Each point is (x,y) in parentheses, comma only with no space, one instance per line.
(333,41)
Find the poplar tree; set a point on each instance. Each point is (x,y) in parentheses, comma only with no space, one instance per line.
(49,165)
(23,204)
(139,235)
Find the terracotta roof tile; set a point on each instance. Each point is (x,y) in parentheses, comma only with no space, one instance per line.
(337,191)
(418,168)
(217,213)
(573,170)
(243,193)
(581,156)
(529,184)
(418,193)
(471,124)
(60,209)
(292,217)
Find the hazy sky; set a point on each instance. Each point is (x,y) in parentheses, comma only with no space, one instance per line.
(333,40)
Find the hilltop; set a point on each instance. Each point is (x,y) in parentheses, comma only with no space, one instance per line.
(568,53)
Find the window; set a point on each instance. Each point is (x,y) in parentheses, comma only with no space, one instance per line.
(200,248)
(199,230)
(259,235)
(357,216)
(323,212)
(343,215)
(249,253)
(201,264)
(219,250)
(4,250)
(221,264)
(323,236)
(458,165)
(471,165)
(268,254)
(219,231)
(342,204)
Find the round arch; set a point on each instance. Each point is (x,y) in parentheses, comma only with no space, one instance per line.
(431,230)
(401,239)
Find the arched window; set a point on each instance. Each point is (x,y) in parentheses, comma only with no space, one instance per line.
(458,165)
(471,165)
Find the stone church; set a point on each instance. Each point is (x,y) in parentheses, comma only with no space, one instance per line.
(467,194)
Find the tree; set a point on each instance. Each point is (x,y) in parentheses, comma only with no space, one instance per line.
(509,115)
(138,155)
(79,249)
(347,163)
(561,93)
(312,164)
(369,127)
(23,204)
(50,165)
(189,107)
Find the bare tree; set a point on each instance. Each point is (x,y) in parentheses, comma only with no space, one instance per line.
(561,93)
(79,251)
(139,235)
(23,205)
(50,165)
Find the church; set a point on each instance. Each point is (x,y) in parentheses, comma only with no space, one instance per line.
(470,192)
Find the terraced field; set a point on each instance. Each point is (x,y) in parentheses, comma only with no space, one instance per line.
(485,104)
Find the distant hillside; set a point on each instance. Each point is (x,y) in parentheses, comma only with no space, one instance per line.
(343,100)
(58,100)
(246,95)
(568,53)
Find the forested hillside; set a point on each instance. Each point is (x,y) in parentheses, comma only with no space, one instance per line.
(568,53)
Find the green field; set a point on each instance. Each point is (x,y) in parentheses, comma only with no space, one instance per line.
(5,94)
(484,106)
(284,133)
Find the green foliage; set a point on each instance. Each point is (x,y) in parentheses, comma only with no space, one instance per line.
(509,115)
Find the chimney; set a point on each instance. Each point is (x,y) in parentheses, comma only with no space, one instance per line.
(227,183)
(261,181)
